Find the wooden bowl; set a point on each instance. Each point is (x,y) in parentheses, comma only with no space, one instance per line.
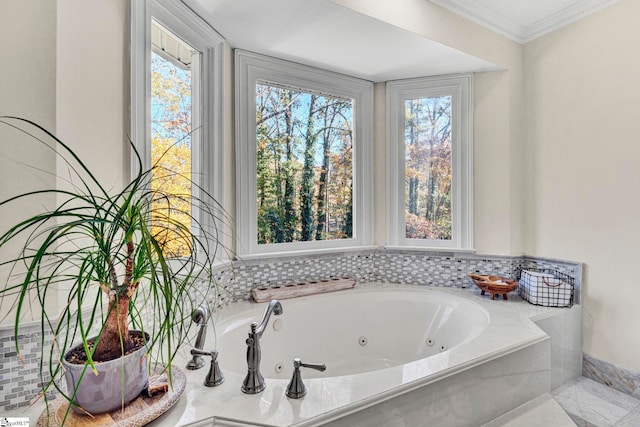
(494,284)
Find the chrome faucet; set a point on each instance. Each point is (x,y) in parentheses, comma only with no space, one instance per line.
(200,316)
(254,381)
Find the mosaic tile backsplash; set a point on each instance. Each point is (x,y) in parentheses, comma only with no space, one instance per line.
(20,384)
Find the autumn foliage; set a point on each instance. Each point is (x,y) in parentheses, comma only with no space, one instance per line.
(428,168)
(171,153)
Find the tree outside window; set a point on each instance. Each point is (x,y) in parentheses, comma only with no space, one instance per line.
(428,168)
(171,129)
(430,131)
(304,165)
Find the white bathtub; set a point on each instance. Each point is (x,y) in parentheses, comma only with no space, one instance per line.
(432,356)
(353,332)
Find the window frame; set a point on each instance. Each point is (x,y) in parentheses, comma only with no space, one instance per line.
(252,68)
(207,154)
(460,88)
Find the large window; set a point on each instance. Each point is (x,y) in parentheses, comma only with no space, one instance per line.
(304,165)
(176,110)
(430,162)
(304,155)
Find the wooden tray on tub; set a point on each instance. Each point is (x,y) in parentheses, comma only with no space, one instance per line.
(494,284)
(300,289)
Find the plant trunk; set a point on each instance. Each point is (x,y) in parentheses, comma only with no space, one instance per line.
(115,340)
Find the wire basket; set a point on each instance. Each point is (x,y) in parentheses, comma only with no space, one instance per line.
(546,287)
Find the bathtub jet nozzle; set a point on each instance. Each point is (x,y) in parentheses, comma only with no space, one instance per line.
(254,381)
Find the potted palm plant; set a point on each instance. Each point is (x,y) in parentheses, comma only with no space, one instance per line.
(131,267)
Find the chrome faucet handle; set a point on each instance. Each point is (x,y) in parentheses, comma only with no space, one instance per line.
(296,388)
(214,377)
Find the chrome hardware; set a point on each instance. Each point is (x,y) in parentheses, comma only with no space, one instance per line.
(254,381)
(214,377)
(200,316)
(296,388)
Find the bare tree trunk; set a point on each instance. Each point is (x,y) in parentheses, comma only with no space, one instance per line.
(289,190)
(321,198)
(413,181)
(307,188)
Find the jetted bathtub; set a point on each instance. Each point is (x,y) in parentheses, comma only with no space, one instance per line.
(395,355)
(353,332)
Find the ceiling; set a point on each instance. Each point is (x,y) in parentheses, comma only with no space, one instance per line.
(324,34)
(523,20)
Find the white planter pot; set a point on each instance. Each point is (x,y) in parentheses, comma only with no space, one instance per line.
(118,381)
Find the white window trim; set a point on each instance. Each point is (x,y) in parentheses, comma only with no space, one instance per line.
(178,18)
(460,87)
(251,68)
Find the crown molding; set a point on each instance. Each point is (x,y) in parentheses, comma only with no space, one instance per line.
(484,16)
(492,20)
(565,17)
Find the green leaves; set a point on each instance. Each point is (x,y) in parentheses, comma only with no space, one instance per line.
(98,243)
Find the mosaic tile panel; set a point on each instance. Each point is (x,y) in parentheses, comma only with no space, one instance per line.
(444,270)
(20,381)
(237,280)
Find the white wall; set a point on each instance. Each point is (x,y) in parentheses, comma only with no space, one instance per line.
(91,79)
(63,65)
(583,166)
(27,89)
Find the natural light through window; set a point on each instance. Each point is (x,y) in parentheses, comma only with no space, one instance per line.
(430,136)
(171,136)
(428,168)
(304,165)
(304,157)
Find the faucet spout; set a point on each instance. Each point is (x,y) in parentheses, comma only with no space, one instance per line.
(274,307)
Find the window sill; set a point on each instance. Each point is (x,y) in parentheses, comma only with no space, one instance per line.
(297,253)
(435,250)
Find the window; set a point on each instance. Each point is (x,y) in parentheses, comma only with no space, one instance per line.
(174,138)
(176,107)
(304,165)
(430,162)
(304,157)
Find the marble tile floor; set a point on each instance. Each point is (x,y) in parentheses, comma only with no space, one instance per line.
(591,404)
(543,411)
